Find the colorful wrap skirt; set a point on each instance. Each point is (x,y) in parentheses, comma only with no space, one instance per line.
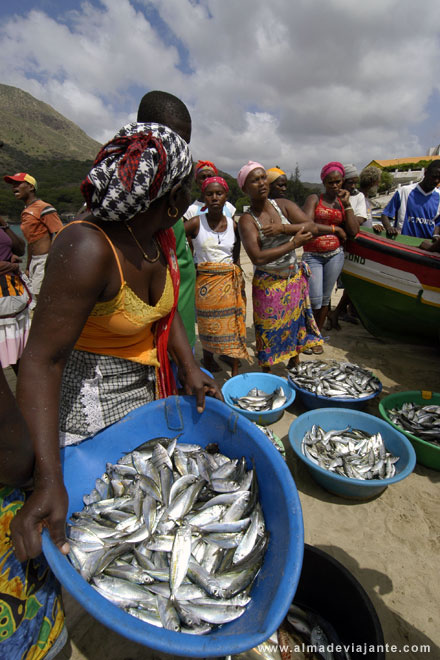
(15,319)
(31,611)
(221,309)
(283,317)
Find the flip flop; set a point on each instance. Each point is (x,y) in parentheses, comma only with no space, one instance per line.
(307,351)
(317,350)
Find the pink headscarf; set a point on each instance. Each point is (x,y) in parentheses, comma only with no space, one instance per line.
(215,179)
(246,170)
(333,166)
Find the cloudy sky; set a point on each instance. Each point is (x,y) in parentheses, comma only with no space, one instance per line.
(282,82)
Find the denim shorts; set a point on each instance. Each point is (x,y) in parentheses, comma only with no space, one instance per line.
(325,268)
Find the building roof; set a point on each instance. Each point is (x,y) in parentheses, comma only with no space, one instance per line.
(400,161)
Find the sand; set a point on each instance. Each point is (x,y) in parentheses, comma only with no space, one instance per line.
(390,544)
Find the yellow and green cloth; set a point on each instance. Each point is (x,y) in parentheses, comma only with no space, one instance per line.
(31,611)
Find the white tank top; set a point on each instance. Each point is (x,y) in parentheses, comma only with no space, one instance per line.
(213,246)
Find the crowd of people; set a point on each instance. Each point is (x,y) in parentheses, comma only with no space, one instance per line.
(117,295)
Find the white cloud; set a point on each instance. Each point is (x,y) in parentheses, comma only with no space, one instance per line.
(282,83)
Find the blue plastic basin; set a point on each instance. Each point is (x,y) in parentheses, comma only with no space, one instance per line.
(312,401)
(240,385)
(340,418)
(276,583)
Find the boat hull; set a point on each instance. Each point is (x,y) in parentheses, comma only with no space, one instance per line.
(394,286)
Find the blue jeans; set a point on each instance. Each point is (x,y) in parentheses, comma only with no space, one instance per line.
(325,271)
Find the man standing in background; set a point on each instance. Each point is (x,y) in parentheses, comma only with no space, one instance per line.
(167,109)
(39,224)
(415,209)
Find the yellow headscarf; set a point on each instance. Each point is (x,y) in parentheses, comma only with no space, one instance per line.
(273,173)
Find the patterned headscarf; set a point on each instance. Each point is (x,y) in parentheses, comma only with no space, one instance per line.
(333,166)
(140,164)
(215,179)
(205,165)
(274,173)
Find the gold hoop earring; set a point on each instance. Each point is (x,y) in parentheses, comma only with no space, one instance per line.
(174,213)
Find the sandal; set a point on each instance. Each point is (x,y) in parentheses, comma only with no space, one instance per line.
(307,351)
(317,350)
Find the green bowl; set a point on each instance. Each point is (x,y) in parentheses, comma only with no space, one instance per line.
(427,453)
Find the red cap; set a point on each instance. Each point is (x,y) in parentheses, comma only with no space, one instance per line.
(20,177)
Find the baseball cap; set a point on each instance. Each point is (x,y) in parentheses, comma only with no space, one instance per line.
(20,177)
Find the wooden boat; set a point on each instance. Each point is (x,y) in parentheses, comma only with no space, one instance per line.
(394,286)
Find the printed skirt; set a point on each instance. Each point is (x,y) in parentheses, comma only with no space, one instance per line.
(283,317)
(221,309)
(15,318)
(31,611)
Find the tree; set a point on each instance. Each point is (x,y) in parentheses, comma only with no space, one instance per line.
(386,181)
(296,191)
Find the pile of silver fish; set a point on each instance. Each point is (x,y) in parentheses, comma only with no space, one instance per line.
(349,452)
(303,635)
(422,421)
(173,534)
(258,401)
(335,379)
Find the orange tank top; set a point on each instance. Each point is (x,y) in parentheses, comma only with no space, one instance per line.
(122,326)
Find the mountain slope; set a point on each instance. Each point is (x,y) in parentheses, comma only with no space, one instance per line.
(36,129)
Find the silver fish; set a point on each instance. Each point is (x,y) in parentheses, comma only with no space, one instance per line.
(349,452)
(160,531)
(421,421)
(257,400)
(334,379)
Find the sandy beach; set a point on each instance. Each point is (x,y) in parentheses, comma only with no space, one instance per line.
(390,544)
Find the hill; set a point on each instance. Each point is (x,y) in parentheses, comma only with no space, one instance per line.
(35,128)
(39,140)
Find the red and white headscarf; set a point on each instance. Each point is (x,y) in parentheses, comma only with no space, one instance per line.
(140,164)
(215,179)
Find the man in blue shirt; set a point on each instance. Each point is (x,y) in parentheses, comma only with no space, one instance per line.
(415,209)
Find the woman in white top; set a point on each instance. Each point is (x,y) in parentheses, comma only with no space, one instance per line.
(220,301)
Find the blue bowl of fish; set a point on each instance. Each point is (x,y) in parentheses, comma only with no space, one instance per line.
(167,524)
(323,384)
(350,453)
(260,397)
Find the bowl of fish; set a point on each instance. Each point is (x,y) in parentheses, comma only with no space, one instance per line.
(323,384)
(260,397)
(350,453)
(417,415)
(174,539)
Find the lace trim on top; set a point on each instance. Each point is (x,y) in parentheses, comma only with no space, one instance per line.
(133,308)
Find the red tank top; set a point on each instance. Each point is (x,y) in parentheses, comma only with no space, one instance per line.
(326,216)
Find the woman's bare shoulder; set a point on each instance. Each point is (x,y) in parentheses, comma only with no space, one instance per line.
(80,245)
